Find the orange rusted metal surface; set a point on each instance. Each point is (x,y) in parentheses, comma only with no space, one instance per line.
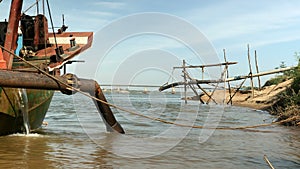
(12,31)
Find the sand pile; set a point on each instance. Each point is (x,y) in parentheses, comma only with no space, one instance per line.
(263,99)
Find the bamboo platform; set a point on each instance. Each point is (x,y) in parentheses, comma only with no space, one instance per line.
(232,96)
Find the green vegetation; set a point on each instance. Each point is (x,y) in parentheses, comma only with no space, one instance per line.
(288,108)
(280,78)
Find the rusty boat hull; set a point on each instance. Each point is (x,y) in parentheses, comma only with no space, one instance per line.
(29,77)
(11,117)
(47,51)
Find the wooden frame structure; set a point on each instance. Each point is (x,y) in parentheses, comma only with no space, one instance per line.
(189,81)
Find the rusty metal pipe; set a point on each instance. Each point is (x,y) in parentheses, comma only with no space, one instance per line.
(94,89)
(15,79)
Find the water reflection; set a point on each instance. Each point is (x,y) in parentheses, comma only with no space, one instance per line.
(23,151)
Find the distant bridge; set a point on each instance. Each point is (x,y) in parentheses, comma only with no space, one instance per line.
(130,85)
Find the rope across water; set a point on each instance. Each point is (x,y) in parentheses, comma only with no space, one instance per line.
(132,112)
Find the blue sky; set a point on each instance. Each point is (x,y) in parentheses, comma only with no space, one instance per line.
(270,26)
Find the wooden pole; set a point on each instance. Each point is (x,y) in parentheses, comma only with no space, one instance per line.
(257,71)
(208,65)
(205,94)
(227,76)
(250,68)
(268,162)
(185,82)
(37,7)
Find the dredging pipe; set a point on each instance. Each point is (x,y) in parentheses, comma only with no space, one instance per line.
(29,80)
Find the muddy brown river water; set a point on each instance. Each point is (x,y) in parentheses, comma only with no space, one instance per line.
(75,137)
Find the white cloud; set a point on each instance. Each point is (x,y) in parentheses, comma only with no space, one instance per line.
(101,14)
(112,5)
(230,21)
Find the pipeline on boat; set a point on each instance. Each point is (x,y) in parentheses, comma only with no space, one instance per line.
(66,84)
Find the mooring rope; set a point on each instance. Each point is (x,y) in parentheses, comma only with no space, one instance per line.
(129,111)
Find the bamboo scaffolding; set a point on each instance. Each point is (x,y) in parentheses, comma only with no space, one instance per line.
(203,66)
(236,78)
